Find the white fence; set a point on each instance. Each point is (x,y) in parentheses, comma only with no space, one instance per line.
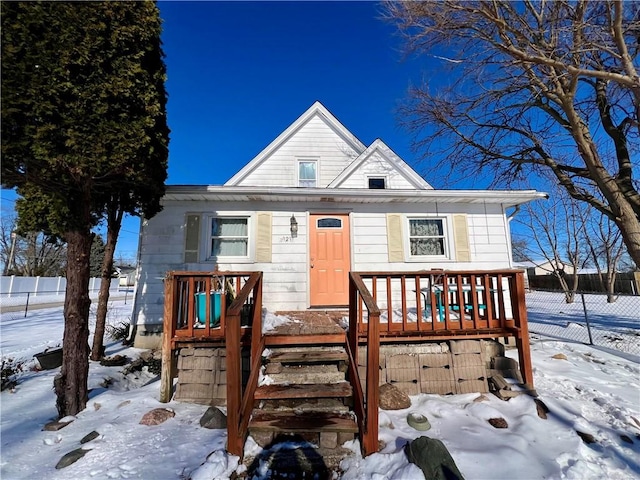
(23,293)
(13,286)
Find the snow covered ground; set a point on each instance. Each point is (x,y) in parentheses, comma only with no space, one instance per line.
(592,391)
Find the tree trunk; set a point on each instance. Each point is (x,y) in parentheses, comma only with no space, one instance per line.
(569,291)
(629,225)
(70,384)
(611,284)
(113,229)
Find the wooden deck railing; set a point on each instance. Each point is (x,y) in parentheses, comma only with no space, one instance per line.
(447,305)
(195,310)
(433,304)
(439,301)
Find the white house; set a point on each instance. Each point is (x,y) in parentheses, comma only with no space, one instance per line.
(315,204)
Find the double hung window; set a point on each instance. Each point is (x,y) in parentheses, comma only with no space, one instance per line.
(307,173)
(427,237)
(229,237)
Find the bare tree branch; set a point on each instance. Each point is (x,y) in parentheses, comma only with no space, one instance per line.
(541,87)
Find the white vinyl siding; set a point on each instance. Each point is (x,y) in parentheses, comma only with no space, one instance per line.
(315,139)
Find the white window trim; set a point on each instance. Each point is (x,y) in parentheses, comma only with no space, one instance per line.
(308,160)
(249,258)
(447,228)
(384,177)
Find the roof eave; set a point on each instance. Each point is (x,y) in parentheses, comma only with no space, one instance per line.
(228,193)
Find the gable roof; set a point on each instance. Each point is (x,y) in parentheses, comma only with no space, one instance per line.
(391,158)
(316,110)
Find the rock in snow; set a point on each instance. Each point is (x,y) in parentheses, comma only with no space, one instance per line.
(392,398)
(157,416)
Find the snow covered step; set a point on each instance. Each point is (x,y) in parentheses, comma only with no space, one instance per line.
(332,390)
(290,422)
(330,405)
(307,356)
(304,374)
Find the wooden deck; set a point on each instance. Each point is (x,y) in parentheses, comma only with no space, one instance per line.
(384,307)
(308,327)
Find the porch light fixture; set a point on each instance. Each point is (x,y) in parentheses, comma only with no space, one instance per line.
(294,226)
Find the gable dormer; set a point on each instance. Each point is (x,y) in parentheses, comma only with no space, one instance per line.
(311,152)
(378,167)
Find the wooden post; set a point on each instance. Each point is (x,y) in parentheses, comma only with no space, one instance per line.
(167,371)
(522,337)
(352,336)
(370,441)
(235,443)
(256,325)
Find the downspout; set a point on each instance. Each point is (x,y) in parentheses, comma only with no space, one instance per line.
(509,218)
(515,212)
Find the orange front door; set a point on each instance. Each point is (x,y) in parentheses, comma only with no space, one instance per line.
(329,259)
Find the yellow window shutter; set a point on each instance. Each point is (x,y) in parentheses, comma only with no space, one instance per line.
(191,238)
(263,238)
(461,237)
(394,237)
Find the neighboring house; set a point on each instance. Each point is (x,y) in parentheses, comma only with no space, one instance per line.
(126,275)
(544,267)
(315,204)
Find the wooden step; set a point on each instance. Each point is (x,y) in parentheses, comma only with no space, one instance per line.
(302,378)
(303,374)
(322,390)
(308,356)
(279,368)
(291,422)
(330,405)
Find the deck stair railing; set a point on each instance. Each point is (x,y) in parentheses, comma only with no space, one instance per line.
(240,398)
(365,404)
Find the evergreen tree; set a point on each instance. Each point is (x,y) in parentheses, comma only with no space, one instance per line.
(97,256)
(83,119)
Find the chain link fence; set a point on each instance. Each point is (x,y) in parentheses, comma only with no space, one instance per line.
(589,319)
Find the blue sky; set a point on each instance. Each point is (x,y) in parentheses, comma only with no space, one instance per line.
(240,72)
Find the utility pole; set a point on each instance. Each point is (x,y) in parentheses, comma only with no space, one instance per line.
(9,265)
